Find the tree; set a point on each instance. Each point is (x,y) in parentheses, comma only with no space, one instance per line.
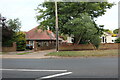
(74,18)
(108,31)
(14,24)
(9,31)
(68,11)
(7,36)
(116,31)
(20,41)
(12,33)
(83,29)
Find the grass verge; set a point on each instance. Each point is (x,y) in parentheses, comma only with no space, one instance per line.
(90,53)
(23,53)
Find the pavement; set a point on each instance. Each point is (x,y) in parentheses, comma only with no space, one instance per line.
(60,68)
(36,55)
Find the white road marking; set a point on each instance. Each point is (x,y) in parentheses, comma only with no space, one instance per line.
(33,70)
(55,75)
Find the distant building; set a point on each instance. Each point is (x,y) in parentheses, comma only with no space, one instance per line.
(70,39)
(107,38)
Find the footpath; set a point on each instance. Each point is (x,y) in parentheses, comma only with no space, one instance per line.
(33,55)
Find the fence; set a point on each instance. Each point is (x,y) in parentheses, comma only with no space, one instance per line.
(10,48)
(103,46)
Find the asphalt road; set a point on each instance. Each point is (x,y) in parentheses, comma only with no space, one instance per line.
(64,68)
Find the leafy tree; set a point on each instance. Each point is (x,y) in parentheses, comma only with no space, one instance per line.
(80,27)
(116,31)
(8,31)
(68,11)
(74,18)
(7,36)
(14,24)
(108,31)
(11,33)
(83,29)
(20,41)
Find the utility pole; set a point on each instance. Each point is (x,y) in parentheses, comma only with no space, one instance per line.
(57,39)
(0,20)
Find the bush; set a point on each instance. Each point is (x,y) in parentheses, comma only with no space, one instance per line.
(20,41)
(95,40)
(21,45)
(117,40)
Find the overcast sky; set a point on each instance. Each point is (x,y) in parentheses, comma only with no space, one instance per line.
(25,11)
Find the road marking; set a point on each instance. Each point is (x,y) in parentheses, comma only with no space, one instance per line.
(55,75)
(33,70)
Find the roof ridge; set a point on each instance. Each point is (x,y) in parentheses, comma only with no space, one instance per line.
(33,29)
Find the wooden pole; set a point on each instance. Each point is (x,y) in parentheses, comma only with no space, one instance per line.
(57,39)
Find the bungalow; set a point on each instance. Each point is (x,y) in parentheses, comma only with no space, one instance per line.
(107,38)
(44,38)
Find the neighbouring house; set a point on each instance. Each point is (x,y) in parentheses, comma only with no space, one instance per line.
(107,38)
(70,39)
(44,38)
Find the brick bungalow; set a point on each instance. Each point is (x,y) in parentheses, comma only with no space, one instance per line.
(41,39)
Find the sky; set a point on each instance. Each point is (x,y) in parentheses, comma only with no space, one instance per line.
(25,11)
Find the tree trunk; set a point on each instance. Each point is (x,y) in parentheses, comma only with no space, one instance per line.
(93,46)
(78,41)
(80,37)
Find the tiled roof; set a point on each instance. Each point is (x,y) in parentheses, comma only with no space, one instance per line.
(38,34)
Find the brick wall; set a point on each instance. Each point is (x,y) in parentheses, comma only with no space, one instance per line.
(9,49)
(109,46)
(44,47)
(89,46)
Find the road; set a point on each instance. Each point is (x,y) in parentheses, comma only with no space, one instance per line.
(60,68)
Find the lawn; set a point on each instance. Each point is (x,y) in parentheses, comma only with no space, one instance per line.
(87,53)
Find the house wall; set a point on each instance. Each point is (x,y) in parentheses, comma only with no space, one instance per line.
(109,39)
(9,49)
(44,45)
(69,40)
(114,38)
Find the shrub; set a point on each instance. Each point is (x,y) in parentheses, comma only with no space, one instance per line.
(95,40)
(20,41)
(21,45)
(117,40)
